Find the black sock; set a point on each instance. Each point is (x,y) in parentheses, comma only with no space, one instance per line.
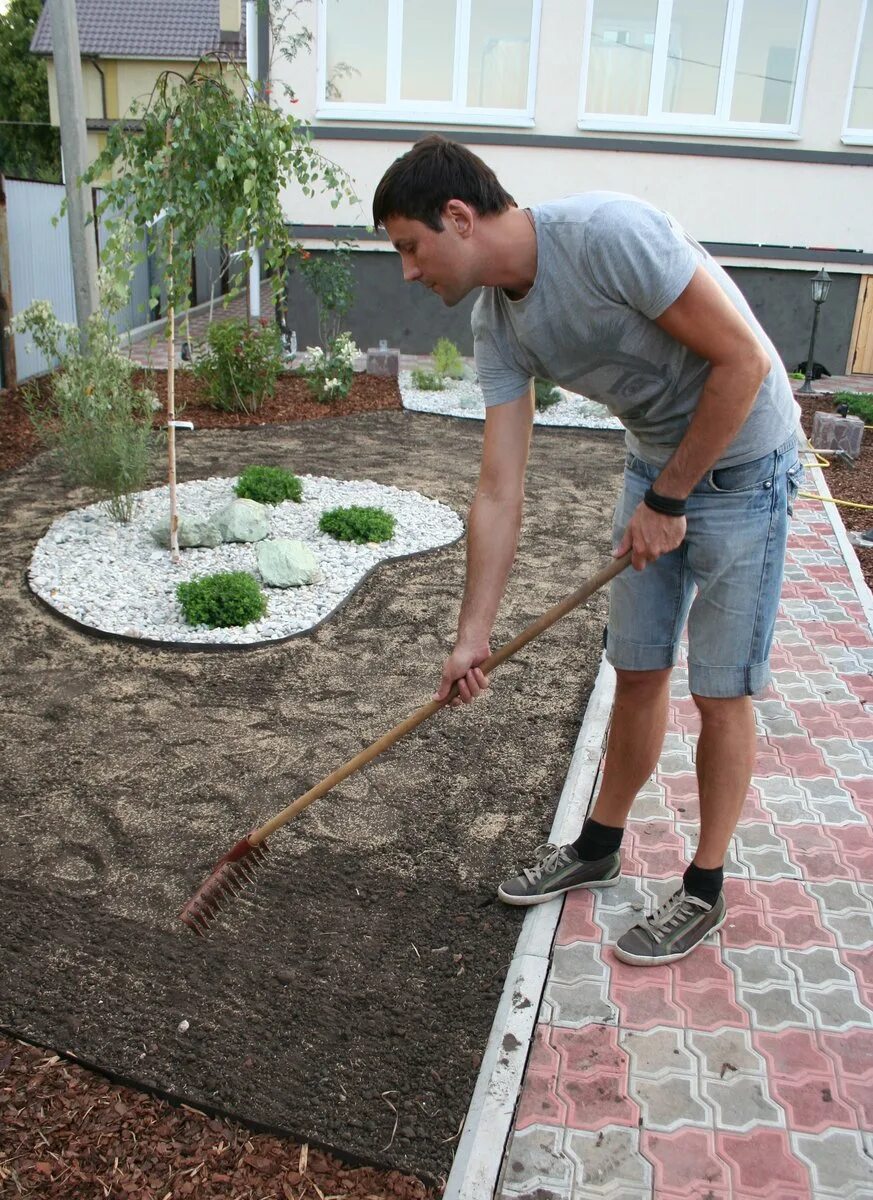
(704,883)
(597,841)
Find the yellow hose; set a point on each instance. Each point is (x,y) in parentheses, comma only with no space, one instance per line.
(833,500)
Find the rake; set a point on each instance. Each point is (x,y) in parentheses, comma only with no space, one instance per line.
(238,867)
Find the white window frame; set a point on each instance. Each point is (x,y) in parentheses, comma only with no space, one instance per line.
(718,123)
(856,137)
(426,112)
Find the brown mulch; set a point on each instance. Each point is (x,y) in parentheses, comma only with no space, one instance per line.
(67,1132)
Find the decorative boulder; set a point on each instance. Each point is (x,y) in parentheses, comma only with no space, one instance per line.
(193,531)
(384,363)
(285,562)
(242,521)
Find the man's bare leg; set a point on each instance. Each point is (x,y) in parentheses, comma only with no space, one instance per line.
(725,761)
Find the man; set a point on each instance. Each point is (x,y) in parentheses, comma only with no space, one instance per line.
(608,296)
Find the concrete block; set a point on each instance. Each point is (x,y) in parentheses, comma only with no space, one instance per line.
(385,363)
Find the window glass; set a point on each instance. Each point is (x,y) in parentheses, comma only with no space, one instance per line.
(766,70)
(694,56)
(499,53)
(861,110)
(620,59)
(428,60)
(357,51)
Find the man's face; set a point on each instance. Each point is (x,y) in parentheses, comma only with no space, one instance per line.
(438,260)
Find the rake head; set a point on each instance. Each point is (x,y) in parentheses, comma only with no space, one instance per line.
(226,879)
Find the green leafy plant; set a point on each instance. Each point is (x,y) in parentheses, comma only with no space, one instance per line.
(268,485)
(427,381)
(796,375)
(447,359)
(329,374)
(358,524)
(329,277)
(221,600)
(545,394)
(240,364)
(860,404)
(97,424)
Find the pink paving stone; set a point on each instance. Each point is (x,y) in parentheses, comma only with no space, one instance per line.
(767,760)
(811,1103)
(577,923)
(793,1051)
(596,1099)
(809,766)
(804,838)
(591,1048)
(745,928)
(861,864)
(711,1007)
(658,848)
(861,685)
(762,1165)
(685,1160)
(539,1103)
(801,930)
(820,866)
(739,895)
(704,966)
(861,962)
(680,785)
(645,1006)
(853,1051)
(783,895)
(862,787)
(544,1058)
(859,1095)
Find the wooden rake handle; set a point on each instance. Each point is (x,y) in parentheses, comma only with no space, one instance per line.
(427,710)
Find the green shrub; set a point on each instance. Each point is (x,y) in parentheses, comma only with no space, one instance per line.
(240,364)
(329,276)
(96,423)
(860,404)
(545,394)
(447,359)
(226,598)
(358,524)
(427,381)
(796,375)
(268,485)
(329,374)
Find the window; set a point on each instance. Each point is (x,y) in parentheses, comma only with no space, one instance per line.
(733,67)
(466,61)
(859,117)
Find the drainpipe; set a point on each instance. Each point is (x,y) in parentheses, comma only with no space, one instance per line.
(254,76)
(96,65)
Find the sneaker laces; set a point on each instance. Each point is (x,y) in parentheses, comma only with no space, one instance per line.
(673,912)
(549,858)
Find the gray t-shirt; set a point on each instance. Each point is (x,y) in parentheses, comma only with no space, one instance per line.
(607,266)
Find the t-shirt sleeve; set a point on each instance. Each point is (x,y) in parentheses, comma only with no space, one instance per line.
(637,257)
(500,379)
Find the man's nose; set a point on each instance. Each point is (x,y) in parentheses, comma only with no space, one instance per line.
(410,272)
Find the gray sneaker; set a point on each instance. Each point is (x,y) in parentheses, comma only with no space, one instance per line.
(559,869)
(672,931)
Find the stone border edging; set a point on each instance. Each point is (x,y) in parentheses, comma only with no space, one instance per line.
(478,1161)
(848,550)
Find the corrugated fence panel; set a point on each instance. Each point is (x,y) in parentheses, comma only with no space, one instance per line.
(136,312)
(40,263)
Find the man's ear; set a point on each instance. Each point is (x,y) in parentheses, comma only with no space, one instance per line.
(461,217)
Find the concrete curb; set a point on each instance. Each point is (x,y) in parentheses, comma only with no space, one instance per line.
(477,1165)
(848,550)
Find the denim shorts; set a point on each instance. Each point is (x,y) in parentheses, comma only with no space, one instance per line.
(725,579)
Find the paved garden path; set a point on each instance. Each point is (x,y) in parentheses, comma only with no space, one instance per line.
(746,1070)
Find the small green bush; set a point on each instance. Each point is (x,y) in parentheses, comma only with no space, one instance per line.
(220,600)
(545,394)
(358,524)
(447,359)
(796,375)
(329,375)
(268,485)
(860,404)
(240,365)
(427,381)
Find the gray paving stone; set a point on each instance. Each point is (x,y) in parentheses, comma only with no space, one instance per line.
(657,1052)
(578,1004)
(607,1161)
(837,812)
(838,1162)
(725,1052)
(580,960)
(825,788)
(536,1159)
(670,1102)
(742,1101)
(791,812)
(854,930)
(759,966)
(843,755)
(818,967)
(754,835)
(770,863)
(775,1008)
(837,1008)
(777,787)
(840,896)
(626,895)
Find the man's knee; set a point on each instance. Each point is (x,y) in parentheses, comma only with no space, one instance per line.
(642,683)
(721,708)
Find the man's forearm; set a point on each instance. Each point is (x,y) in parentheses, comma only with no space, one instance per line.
(492,537)
(726,401)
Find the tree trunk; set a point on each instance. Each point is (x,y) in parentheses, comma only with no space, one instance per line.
(171,397)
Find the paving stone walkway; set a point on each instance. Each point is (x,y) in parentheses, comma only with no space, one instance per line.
(746,1070)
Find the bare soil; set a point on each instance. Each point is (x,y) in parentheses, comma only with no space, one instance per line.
(347,1003)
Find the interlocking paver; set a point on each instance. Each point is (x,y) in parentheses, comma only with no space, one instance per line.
(744,1072)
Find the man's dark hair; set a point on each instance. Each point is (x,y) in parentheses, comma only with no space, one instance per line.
(420,183)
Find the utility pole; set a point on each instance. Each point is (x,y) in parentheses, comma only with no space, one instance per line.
(74,151)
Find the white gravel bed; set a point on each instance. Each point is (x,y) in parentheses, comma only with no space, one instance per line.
(115,578)
(463,398)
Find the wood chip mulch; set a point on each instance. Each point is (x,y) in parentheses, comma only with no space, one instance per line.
(66,1132)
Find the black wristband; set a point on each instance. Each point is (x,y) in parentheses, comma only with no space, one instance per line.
(668,505)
